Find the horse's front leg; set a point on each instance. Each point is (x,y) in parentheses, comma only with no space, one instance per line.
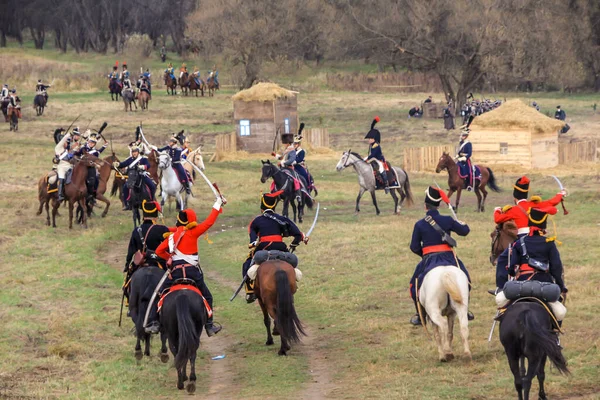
(375,201)
(138,350)
(47,206)
(479,199)
(103,199)
(71,205)
(485,193)
(84,213)
(360,193)
(286,205)
(147,347)
(395,197)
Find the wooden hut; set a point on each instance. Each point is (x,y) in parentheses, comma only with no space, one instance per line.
(515,134)
(265,114)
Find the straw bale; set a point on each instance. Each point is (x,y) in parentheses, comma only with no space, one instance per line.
(264,92)
(514,114)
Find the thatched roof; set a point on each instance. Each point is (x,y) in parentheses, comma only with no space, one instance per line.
(514,114)
(264,92)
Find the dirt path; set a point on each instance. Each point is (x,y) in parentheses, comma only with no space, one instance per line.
(321,385)
(221,371)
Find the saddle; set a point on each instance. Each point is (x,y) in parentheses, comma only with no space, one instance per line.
(184,286)
(502,311)
(391,175)
(262,256)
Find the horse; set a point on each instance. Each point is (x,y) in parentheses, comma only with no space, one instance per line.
(138,192)
(275,287)
(169,183)
(368,183)
(182,318)
(4,106)
(103,177)
(142,285)
(128,98)
(502,237)
(444,295)
(170,83)
(194,157)
(456,183)
(117,187)
(114,87)
(526,333)
(144,99)
(184,82)
(44,197)
(14,113)
(283,181)
(76,191)
(194,86)
(211,86)
(39,103)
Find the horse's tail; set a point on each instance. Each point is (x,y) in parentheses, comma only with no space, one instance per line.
(409,198)
(188,335)
(492,181)
(288,322)
(114,189)
(537,336)
(449,283)
(308,200)
(144,303)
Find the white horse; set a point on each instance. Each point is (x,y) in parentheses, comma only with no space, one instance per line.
(367,183)
(444,295)
(195,157)
(169,182)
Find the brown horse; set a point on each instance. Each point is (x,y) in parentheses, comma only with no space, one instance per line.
(184,82)
(275,286)
(76,191)
(144,99)
(104,175)
(170,83)
(14,114)
(195,87)
(456,183)
(117,187)
(502,237)
(211,86)
(44,197)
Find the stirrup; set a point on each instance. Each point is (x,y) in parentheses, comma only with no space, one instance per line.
(212,328)
(416,320)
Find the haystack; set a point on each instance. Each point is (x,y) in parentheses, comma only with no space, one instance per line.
(515,134)
(265,115)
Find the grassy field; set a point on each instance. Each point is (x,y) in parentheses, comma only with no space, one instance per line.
(60,294)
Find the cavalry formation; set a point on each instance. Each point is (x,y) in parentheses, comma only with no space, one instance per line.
(164,284)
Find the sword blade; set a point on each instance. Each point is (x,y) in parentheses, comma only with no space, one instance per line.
(151,304)
(239,288)
(560,185)
(312,227)
(199,171)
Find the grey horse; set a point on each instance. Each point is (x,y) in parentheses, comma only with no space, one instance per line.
(128,98)
(366,180)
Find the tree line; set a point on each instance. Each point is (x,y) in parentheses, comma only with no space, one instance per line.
(468,44)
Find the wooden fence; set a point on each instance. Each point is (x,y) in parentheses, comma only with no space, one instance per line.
(571,153)
(225,143)
(417,159)
(316,137)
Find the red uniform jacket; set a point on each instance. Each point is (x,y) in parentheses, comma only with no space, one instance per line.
(189,243)
(518,213)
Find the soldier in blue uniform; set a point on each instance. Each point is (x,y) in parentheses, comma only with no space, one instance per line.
(148,75)
(114,74)
(428,243)
(465,151)
(375,154)
(175,154)
(299,165)
(4,93)
(142,164)
(124,73)
(90,148)
(266,233)
(536,246)
(42,89)
(171,71)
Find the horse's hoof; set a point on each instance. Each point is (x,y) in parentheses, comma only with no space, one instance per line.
(191,387)
(282,353)
(180,385)
(164,358)
(275,332)
(447,357)
(468,355)
(269,342)
(138,355)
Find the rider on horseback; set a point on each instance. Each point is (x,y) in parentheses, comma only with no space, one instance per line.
(14,100)
(299,165)
(40,88)
(143,84)
(542,250)
(432,241)
(175,154)
(463,158)
(4,93)
(171,71)
(114,74)
(287,163)
(136,161)
(182,70)
(124,73)
(182,250)
(518,214)
(375,156)
(214,74)
(196,75)
(266,233)
(64,152)
(90,148)
(145,239)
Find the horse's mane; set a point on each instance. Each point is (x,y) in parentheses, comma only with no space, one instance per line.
(355,154)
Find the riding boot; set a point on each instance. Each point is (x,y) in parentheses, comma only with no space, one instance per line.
(211,329)
(416,319)
(186,185)
(250,296)
(385,182)
(61,190)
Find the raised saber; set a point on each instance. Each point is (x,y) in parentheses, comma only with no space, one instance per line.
(560,185)
(213,186)
(151,304)
(312,227)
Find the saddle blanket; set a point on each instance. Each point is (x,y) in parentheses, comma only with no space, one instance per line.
(463,172)
(297,185)
(176,288)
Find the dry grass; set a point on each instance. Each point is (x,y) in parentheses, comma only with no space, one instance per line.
(263,92)
(514,114)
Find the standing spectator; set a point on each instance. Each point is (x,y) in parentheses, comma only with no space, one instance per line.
(562,116)
(449,117)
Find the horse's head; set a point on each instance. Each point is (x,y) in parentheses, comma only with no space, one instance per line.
(268,170)
(444,163)
(196,158)
(164,161)
(344,161)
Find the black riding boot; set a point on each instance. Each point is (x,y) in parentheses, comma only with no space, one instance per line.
(61,190)
(186,185)
(211,329)
(385,182)
(416,319)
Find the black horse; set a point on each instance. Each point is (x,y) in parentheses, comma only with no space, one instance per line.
(39,103)
(142,285)
(115,89)
(526,333)
(138,192)
(283,181)
(182,317)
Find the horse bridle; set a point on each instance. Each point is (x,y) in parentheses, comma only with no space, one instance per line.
(347,159)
